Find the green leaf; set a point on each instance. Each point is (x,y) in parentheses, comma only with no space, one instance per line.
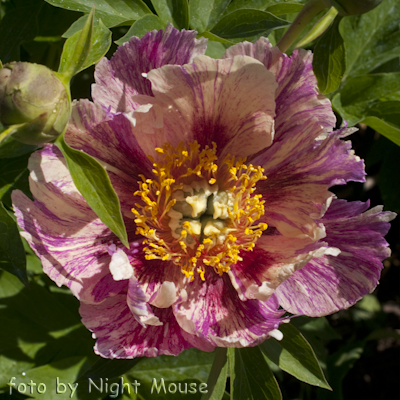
(294,355)
(17,26)
(389,177)
(174,11)
(85,47)
(384,117)
(231,370)
(215,38)
(319,28)
(217,379)
(253,378)
(12,249)
(284,8)
(339,364)
(141,27)
(373,38)
(361,95)
(93,183)
(329,61)
(204,14)
(13,175)
(107,368)
(253,4)
(78,25)
(215,49)
(190,364)
(112,13)
(245,23)
(10,148)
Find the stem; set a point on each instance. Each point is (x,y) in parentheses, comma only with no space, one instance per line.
(308,12)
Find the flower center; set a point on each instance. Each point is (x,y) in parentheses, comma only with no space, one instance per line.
(198,212)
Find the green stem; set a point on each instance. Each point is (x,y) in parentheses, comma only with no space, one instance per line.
(308,12)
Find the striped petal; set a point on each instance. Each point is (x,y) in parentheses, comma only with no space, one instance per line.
(120,335)
(64,232)
(213,311)
(328,284)
(120,78)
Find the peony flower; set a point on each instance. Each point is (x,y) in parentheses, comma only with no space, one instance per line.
(223,169)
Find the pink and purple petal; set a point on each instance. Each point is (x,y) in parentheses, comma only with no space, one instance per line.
(64,232)
(109,138)
(213,311)
(229,102)
(124,72)
(120,335)
(328,284)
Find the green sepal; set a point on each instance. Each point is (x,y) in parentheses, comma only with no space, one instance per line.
(93,182)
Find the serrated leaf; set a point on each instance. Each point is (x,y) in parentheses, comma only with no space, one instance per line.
(329,62)
(294,355)
(174,11)
(11,247)
(217,379)
(373,38)
(93,183)
(84,48)
(204,14)
(112,13)
(141,27)
(244,23)
(253,378)
(17,26)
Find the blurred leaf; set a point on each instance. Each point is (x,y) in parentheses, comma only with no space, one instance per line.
(339,365)
(244,23)
(85,48)
(369,303)
(17,26)
(389,177)
(174,11)
(231,355)
(384,117)
(108,368)
(216,381)
(210,36)
(13,175)
(318,333)
(215,49)
(93,183)
(372,99)
(112,13)
(329,63)
(38,326)
(295,356)
(373,38)
(253,378)
(284,8)
(204,14)
(141,27)
(10,148)
(190,364)
(12,249)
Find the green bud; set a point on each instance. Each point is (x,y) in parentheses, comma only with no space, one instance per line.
(34,100)
(352,7)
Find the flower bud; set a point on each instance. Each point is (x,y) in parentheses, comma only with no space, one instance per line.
(32,95)
(353,7)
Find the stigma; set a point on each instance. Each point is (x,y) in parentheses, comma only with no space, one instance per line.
(197,211)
